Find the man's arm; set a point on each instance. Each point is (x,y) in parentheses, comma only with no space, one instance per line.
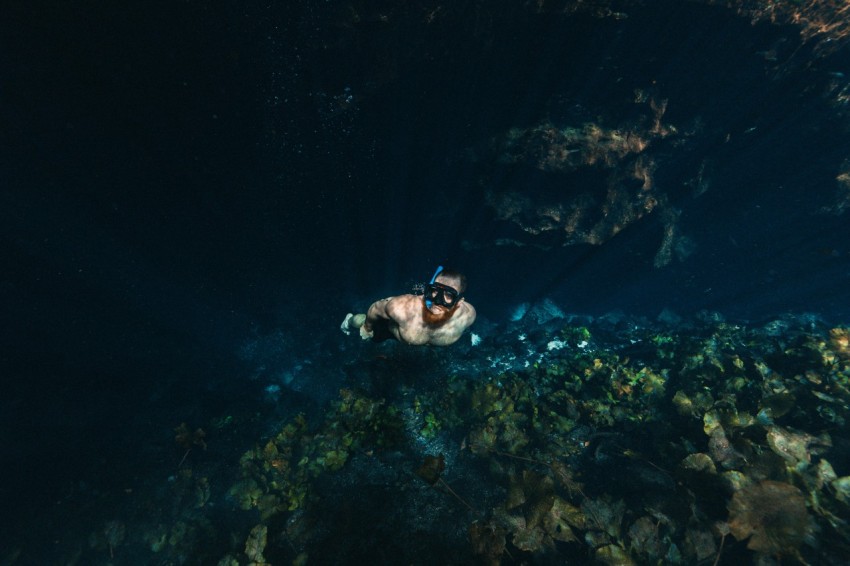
(377,311)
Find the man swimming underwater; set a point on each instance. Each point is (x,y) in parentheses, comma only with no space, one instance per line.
(437,318)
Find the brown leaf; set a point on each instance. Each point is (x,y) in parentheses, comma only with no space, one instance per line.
(773,514)
(431,469)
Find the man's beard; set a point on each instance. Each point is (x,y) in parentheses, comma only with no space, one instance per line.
(434,319)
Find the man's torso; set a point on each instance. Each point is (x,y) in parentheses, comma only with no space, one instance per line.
(408,326)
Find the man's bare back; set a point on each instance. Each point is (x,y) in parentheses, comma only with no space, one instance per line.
(437,318)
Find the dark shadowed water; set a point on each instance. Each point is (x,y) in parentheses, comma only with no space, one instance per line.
(193,195)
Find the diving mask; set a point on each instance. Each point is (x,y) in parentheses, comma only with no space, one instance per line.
(439,294)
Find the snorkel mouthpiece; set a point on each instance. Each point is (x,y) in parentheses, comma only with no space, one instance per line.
(428,303)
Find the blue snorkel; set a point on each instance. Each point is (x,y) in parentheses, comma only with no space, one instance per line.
(433,279)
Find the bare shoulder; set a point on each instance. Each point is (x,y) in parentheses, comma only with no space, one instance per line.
(403,306)
(379,307)
(469,313)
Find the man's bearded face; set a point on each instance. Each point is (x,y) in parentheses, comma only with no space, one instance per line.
(437,315)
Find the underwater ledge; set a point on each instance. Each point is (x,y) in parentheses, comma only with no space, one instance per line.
(545,439)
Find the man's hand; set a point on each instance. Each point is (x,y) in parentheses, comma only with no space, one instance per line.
(366,334)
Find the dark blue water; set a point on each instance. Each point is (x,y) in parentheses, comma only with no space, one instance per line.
(194,195)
